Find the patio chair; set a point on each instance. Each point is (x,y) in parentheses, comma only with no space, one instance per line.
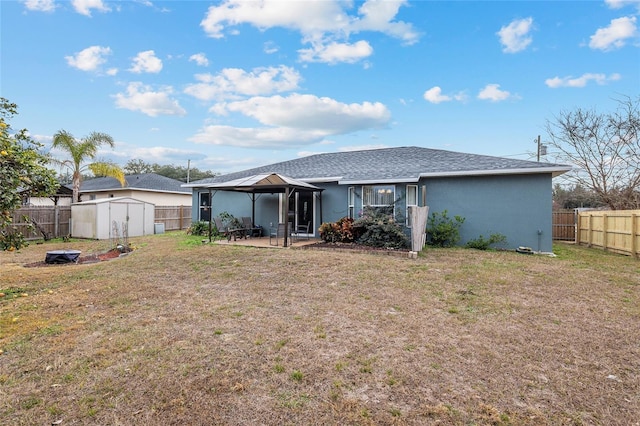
(302,231)
(276,233)
(222,230)
(250,230)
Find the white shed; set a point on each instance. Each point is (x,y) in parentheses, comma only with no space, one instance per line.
(99,219)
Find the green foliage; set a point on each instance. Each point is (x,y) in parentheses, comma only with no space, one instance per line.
(481,243)
(180,173)
(230,221)
(81,150)
(11,239)
(443,231)
(200,227)
(23,172)
(337,232)
(377,228)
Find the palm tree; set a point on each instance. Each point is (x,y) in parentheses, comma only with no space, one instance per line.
(83,150)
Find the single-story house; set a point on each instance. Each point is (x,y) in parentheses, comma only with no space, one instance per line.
(495,195)
(149,187)
(62,197)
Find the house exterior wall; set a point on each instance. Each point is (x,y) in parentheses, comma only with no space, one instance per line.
(157,198)
(46,201)
(517,206)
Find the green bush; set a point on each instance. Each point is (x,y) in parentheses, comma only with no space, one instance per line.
(230,221)
(481,243)
(201,228)
(443,231)
(377,228)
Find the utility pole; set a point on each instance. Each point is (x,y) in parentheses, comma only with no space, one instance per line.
(189,168)
(542,149)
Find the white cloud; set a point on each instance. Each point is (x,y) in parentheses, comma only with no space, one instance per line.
(492,92)
(270,47)
(146,62)
(380,15)
(619,4)
(40,5)
(324,22)
(200,59)
(84,7)
(333,53)
(295,120)
(89,59)
(515,36)
(234,82)
(581,81)
(152,103)
(158,154)
(435,96)
(614,36)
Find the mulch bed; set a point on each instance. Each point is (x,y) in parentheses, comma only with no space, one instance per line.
(352,247)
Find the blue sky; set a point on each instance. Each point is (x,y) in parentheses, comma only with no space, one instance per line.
(236,84)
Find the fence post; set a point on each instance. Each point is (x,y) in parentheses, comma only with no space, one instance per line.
(604,231)
(181,211)
(634,222)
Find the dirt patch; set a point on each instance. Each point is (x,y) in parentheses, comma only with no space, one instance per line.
(92,258)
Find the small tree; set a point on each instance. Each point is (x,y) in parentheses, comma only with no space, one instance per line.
(23,172)
(443,231)
(83,150)
(605,149)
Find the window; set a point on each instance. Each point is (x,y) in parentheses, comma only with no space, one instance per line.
(352,202)
(412,200)
(205,206)
(379,197)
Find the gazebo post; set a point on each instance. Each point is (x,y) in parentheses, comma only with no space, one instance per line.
(286,216)
(210,215)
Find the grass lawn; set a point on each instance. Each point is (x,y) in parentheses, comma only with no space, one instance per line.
(179,333)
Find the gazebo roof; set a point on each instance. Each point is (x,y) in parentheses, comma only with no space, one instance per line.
(271,183)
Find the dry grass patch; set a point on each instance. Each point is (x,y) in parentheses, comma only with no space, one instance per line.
(183,333)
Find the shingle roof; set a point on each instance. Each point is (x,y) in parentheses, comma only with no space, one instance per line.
(403,164)
(144,182)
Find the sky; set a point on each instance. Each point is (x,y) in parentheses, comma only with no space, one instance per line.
(234,84)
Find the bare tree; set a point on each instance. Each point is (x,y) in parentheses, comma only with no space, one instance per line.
(604,149)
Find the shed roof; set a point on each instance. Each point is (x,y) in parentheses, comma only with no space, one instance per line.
(401,164)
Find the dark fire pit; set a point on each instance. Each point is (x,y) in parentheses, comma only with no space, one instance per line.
(62,256)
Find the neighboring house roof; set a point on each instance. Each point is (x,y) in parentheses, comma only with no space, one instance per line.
(143,182)
(403,164)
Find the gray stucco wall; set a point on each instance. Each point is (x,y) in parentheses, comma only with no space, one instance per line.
(517,206)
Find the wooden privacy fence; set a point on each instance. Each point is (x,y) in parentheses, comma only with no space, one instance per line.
(564,225)
(54,220)
(613,230)
(173,217)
